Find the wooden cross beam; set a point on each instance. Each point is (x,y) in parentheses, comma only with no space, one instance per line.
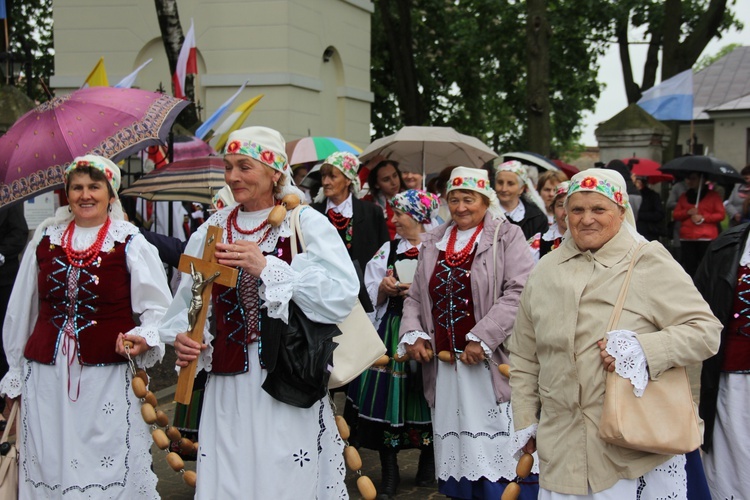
(205,273)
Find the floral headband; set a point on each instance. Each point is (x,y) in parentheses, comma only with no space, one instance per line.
(259,152)
(417,203)
(561,190)
(599,185)
(105,166)
(473,179)
(515,167)
(346,162)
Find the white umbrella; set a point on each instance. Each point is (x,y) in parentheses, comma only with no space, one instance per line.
(429,149)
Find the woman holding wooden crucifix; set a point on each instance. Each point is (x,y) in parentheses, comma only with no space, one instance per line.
(83,277)
(252,445)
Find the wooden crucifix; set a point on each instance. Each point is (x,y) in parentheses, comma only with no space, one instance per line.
(205,273)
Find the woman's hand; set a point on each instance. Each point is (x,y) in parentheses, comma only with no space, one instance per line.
(473,353)
(242,254)
(697,218)
(389,286)
(608,362)
(138,345)
(418,351)
(404,289)
(530,446)
(187,349)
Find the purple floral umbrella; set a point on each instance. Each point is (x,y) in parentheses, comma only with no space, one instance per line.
(106,121)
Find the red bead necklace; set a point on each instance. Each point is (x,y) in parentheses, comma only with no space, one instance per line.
(338,220)
(232,224)
(455,259)
(85,257)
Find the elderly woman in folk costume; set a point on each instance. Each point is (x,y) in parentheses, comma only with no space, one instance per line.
(85,274)
(463,300)
(360,224)
(393,413)
(252,445)
(521,203)
(560,353)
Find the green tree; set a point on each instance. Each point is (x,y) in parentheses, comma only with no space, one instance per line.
(468,68)
(676,32)
(30,44)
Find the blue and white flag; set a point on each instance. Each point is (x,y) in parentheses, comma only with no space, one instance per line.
(672,99)
(206,127)
(129,80)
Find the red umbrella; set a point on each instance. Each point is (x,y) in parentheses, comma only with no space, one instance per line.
(567,168)
(643,167)
(106,121)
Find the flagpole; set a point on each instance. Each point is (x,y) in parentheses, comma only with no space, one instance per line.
(7,50)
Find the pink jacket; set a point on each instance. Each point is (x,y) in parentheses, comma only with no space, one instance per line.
(495,320)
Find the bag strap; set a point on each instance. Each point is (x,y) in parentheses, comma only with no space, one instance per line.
(615,318)
(297,231)
(9,423)
(494,261)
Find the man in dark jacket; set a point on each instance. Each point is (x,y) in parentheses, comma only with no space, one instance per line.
(723,278)
(651,213)
(13,236)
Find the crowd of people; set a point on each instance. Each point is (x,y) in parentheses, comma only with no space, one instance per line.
(487,268)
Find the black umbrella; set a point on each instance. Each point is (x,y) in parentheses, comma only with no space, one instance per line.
(709,166)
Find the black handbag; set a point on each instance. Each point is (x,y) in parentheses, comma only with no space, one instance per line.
(298,357)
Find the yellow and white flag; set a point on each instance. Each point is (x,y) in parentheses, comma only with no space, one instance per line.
(233,122)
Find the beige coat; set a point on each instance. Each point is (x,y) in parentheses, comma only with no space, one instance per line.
(557,378)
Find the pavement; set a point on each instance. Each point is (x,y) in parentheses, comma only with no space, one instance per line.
(172,487)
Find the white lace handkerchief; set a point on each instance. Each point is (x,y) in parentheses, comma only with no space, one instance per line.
(630,360)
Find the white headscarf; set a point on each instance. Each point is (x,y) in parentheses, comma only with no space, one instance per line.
(268,147)
(477,180)
(64,215)
(518,168)
(349,165)
(611,185)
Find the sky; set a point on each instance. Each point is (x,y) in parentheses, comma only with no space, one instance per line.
(613,100)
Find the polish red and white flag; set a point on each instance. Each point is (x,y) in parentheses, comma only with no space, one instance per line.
(187,63)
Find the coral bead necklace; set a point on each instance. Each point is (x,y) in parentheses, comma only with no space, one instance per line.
(455,259)
(232,224)
(85,257)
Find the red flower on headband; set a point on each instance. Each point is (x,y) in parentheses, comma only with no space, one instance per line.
(233,147)
(480,183)
(109,174)
(458,181)
(618,197)
(267,156)
(589,183)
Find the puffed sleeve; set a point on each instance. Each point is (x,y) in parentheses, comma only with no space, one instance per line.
(23,309)
(375,271)
(150,295)
(321,280)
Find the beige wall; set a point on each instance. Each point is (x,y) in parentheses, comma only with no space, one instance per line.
(725,137)
(277,45)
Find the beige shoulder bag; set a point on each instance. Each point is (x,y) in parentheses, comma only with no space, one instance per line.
(664,420)
(359,344)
